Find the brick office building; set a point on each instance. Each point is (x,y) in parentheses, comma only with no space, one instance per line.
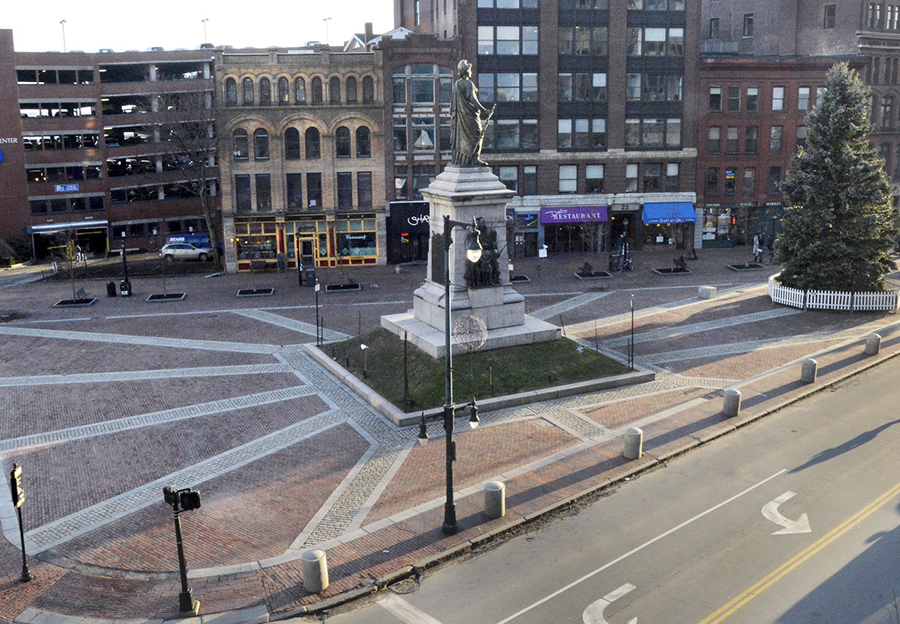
(85,148)
(752,120)
(596,114)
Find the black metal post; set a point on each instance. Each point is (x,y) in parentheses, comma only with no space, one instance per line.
(631,340)
(185,599)
(318,337)
(449,527)
(407,400)
(26,574)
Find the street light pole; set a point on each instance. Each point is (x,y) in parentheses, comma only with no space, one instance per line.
(318,329)
(63,24)
(204,20)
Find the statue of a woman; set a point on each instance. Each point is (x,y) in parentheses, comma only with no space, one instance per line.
(466,127)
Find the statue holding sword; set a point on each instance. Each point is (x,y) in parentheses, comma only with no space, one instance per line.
(466,124)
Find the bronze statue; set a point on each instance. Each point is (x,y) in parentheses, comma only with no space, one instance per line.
(466,127)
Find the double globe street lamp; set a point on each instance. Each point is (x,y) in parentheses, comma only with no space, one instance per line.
(473,254)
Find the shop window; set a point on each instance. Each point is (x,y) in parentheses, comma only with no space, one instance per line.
(294,187)
(364,189)
(752,99)
(749,186)
(714,140)
(715,99)
(631,178)
(774,180)
(712,182)
(529,180)
(230,92)
(368,90)
(317,91)
(510,177)
(263,192)
(734,99)
(334,90)
(260,144)
(265,92)
(593,177)
(248,92)
(314,189)
(284,92)
(300,91)
(242,193)
(776,139)
(751,139)
(351,90)
(313,144)
(241,144)
(568,179)
(363,142)
(732,140)
(342,142)
(292,144)
(345,190)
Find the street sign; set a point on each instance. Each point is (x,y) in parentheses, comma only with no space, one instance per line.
(65,188)
(15,485)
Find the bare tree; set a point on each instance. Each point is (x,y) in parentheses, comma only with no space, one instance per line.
(187,132)
(64,255)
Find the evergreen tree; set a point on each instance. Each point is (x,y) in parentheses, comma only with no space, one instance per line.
(840,229)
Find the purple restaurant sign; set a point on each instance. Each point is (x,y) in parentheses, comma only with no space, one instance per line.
(573,215)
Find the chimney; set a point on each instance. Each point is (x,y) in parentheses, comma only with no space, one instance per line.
(368,32)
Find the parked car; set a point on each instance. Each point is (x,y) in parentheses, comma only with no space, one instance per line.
(185,251)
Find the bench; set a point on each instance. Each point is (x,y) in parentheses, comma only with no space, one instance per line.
(80,294)
(680,262)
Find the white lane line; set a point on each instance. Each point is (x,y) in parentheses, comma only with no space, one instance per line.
(638,549)
(594,613)
(405,611)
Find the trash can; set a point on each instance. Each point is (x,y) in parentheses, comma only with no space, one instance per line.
(110,289)
(309,277)
(125,288)
(615,262)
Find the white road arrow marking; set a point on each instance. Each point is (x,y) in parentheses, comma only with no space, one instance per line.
(594,613)
(770,512)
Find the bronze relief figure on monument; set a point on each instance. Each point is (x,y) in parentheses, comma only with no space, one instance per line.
(466,125)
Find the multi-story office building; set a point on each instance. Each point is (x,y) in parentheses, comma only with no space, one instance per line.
(752,120)
(816,28)
(595,125)
(89,150)
(301,152)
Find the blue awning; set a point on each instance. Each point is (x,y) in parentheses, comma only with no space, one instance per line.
(670,212)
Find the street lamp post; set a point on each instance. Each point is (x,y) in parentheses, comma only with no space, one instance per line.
(125,286)
(182,500)
(62,23)
(205,38)
(318,327)
(473,254)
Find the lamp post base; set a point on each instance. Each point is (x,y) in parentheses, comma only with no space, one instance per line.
(449,527)
(187,606)
(26,576)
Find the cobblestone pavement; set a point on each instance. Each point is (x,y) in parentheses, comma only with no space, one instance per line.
(105,405)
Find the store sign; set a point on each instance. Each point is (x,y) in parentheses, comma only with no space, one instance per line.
(574,215)
(65,188)
(417,219)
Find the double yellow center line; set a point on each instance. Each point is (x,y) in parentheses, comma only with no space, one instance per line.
(721,614)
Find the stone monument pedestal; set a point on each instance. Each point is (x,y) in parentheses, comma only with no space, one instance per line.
(485,310)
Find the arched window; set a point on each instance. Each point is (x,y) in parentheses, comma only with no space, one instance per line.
(342,142)
(300,90)
(248,92)
(363,142)
(265,91)
(334,90)
(312,143)
(241,144)
(284,91)
(351,90)
(317,91)
(292,144)
(230,92)
(368,90)
(261,144)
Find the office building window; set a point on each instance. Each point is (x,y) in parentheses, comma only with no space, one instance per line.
(294,187)
(230,92)
(265,92)
(242,201)
(351,90)
(261,144)
(732,135)
(593,177)
(631,178)
(263,192)
(314,189)
(777,98)
(829,14)
(364,189)
(747,30)
(715,99)
(248,92)
(300,90)
(363,142)
(714,140)
(529,180)
(342,142)
(751,139)
(241,144)
(568,179)
(652,182)
(318,92)
(510,177)
(734,99)
(712,182)
(774,180)
(803,99)
(752,99)
(292,144)
(313,144)
(749,187)
(714,28)
(507,40)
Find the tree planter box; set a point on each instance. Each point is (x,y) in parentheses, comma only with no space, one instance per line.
(166,297)
(749,266)
(341,287)
(255,292)
(675,271)
(75,303)
(519,278)
(593,275)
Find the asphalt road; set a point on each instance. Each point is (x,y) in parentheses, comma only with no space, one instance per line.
(718,535)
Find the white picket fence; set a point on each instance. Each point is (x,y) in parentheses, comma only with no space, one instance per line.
(831,300)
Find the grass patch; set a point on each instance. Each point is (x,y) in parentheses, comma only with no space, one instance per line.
(483,374)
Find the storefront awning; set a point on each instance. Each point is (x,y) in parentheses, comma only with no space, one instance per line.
(51,228)
(585,214)
(670,212)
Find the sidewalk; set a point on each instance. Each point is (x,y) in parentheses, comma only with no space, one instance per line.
(217,393)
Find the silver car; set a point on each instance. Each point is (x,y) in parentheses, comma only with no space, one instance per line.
(185,251)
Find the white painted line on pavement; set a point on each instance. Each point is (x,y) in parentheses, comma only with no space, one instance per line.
(638,549)
(405,611)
